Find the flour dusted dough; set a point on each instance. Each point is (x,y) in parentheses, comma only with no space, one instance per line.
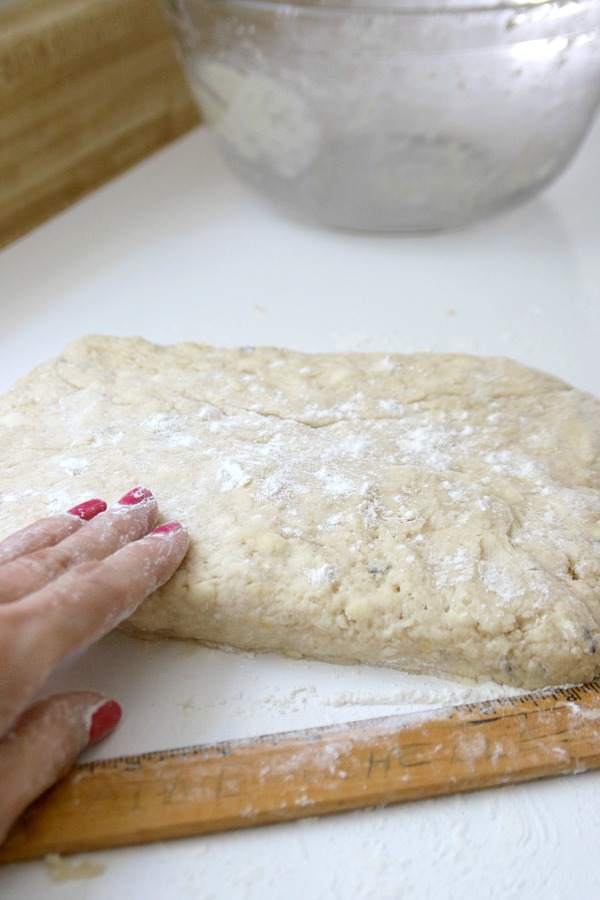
(438,513)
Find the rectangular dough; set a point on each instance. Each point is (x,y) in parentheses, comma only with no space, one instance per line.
(438,513)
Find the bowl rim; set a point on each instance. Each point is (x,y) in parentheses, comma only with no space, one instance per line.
(390,7)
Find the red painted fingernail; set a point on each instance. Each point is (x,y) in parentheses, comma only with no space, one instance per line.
(137,495)
(167,528)
(104,720)
(88,509)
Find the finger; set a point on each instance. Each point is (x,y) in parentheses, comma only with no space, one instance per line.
(131,518)
(48,531)
(85,603)
(44,744)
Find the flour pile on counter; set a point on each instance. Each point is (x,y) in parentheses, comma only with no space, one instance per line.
(437,513)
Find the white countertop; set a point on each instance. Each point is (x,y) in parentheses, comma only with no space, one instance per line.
(177,249)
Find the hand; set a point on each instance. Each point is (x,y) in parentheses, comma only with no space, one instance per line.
(65,581)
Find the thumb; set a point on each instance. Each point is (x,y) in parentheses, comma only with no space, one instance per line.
(44,743)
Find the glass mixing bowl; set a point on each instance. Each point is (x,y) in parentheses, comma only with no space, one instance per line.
(405,115)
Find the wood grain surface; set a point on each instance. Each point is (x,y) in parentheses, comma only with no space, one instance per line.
(237,784)
(87,88)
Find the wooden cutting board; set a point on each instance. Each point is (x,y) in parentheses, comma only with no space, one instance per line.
(237,784)
(87,89)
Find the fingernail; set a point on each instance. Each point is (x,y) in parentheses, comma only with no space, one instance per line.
(137,495)
(104,720)
(167,528)
(88,509)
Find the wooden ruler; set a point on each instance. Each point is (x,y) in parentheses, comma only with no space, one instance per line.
(237,784)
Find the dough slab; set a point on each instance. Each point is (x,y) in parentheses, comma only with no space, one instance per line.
(436,513)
